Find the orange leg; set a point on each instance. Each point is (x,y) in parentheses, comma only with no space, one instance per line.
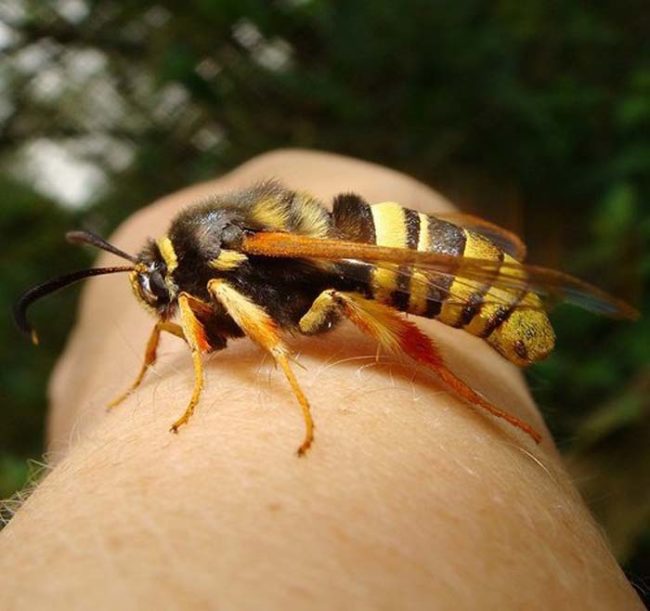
(195,335)
(149,357)
(398,335)
(262,329)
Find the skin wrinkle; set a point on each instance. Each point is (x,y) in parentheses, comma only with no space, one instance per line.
(407,496)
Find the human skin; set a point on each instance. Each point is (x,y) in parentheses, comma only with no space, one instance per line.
(408,499)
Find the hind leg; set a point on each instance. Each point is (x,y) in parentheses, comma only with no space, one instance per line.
(394,333)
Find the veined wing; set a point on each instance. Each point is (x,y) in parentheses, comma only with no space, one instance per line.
(509,276)
(506,240)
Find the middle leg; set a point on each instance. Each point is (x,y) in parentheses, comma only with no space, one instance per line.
(195,335)
(255,322)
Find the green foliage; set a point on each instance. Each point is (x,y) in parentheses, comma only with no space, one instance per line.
(32,230)
(13,474)
(534,114)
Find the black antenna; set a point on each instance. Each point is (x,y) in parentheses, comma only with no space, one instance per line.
(85,237)
(51,286)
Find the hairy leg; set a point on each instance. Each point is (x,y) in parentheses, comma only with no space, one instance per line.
(150,356)
(394,333)
(195,335)
(262,329)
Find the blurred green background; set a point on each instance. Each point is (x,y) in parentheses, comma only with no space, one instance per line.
(534,114)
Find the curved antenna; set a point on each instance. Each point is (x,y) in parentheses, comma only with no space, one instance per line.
(86,237)
(51,286)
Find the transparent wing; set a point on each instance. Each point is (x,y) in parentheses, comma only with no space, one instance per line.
(504,239)
(509,276)
(451,288)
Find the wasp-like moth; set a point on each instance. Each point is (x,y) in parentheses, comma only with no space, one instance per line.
(267,261)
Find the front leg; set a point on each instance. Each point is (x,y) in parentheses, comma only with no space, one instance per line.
(254,321)
(149,356)
(398,335)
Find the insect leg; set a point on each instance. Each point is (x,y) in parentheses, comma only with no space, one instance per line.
(194,334)
(149,356)
(323,313)
(398,335)
(263,330)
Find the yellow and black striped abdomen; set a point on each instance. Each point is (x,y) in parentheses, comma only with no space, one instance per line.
(512,321)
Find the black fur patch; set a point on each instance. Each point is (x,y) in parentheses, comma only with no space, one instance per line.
(353,219)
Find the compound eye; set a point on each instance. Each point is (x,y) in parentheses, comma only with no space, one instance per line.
(153,288)
(158,287)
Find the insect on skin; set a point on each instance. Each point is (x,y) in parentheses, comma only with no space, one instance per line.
(268,260)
